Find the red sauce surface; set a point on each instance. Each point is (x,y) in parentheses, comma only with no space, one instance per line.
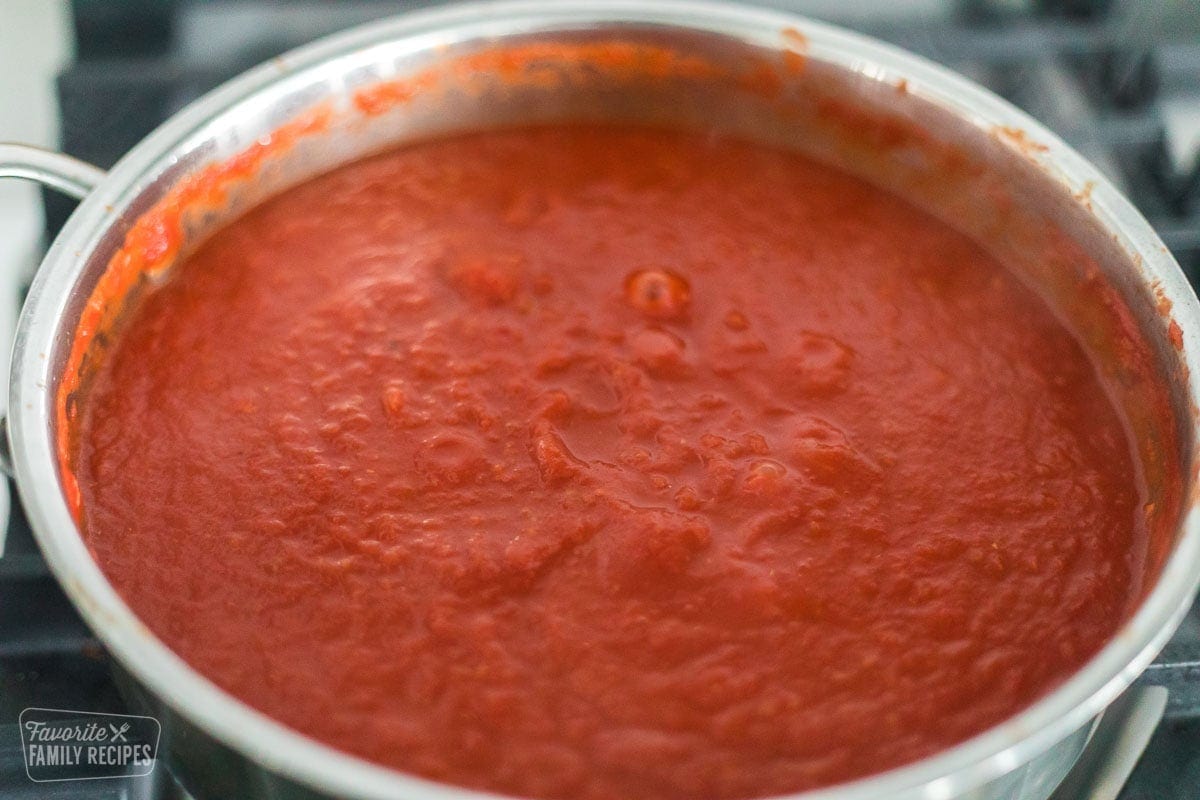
(610,463)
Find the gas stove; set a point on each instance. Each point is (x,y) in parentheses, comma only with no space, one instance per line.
(1119,80)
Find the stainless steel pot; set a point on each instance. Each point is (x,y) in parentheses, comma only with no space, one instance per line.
(909,125)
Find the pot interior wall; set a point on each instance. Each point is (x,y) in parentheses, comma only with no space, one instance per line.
(984,182)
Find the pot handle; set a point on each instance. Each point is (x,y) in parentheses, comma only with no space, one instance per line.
(71,177)
(58,171)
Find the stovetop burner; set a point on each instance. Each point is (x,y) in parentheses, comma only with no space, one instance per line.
(1119,80)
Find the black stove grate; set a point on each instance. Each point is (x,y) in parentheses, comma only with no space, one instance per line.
(1118,80)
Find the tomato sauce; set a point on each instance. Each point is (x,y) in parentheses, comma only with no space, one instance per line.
(602,462)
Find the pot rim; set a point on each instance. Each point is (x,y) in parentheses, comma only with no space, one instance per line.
(280,749)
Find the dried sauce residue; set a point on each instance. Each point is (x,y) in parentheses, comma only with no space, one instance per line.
(1084,195)
(795,51)
(1020,138)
